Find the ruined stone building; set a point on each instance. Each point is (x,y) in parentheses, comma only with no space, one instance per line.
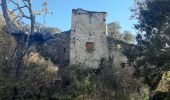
(86,43)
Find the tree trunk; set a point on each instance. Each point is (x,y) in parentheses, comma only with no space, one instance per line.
(23,40)
(13,28)
(17,60)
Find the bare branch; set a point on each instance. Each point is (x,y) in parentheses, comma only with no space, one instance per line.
(13,28)
(32,16)
(19,15)
(20,9)
(17,9)
(25,3)
(21,5)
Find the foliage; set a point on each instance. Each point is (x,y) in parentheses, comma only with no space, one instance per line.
(153,18)
(80,83)
(114,30)
(2,21)
(104,83)
(36,81)
(7,45)
(7,83)
(77,83)
(128,37)
(153,51)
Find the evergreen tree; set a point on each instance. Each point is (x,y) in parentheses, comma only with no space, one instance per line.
(154,45)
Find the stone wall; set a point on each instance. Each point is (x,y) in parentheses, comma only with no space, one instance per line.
(57,48)
(88,43)
(116,49)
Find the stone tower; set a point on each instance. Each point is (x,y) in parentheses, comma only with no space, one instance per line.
(88,42)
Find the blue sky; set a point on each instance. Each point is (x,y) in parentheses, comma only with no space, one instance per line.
(118,10)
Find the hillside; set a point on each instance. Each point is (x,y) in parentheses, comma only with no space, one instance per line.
(43,65)
(93,60)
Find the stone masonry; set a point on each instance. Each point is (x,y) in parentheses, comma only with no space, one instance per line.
(88,40)
(86,43)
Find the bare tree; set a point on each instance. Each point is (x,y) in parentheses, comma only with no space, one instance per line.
(22,10)
(20,6)
(8,20)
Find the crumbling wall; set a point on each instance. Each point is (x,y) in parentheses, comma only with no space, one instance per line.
(86,43)
(116,50)
(57,48)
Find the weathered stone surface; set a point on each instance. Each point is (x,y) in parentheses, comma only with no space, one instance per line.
(116,51)
(88,27)
(85,44)
(164,83)
(57,48)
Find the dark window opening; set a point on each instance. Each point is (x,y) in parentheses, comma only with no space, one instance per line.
(64,49)
(123,65)
(90,17)
(90,21)
(66,82)
(68,60)
(104,19)
(89,46)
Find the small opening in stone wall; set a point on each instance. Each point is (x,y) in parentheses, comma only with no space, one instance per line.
(89,46)
(123,65)
(64,50)
(118,46)
(90,17)
(68,61)
(74,30)
(90,21)
(104,19)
